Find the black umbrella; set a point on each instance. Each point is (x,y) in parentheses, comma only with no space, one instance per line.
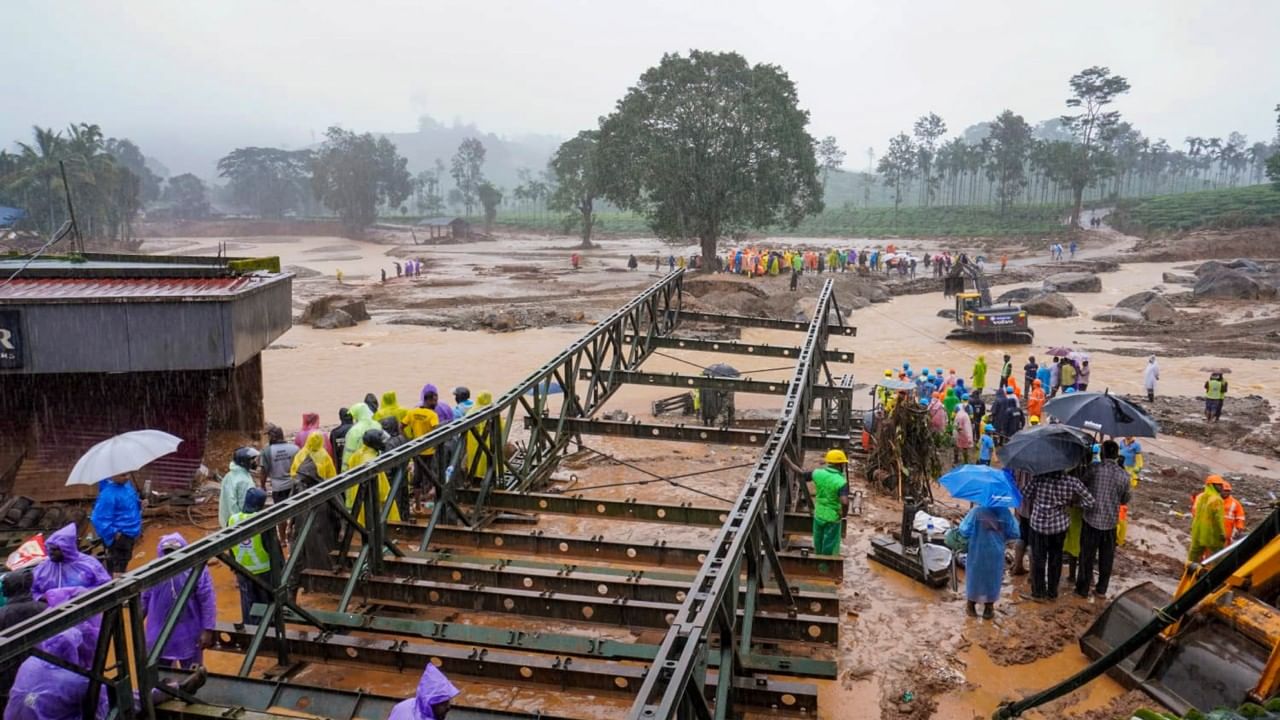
(1047,448)
(723,370)
(1102,412)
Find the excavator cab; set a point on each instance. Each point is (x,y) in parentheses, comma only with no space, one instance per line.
(976,316)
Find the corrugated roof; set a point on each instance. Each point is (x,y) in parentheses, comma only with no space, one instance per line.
(91,289)
(438,221)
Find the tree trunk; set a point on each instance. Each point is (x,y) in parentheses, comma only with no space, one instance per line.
(588,223)
(1078,191)
(708,243)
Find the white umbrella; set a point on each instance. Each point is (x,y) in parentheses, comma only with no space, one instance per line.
(123,453)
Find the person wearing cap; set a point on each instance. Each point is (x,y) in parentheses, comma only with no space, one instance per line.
(462,402)
(1036,398)
(1131,454)
(986,445)
(431,701)
(1232,512)
(254,555)
(1208,521)
(1215,393)
(830,490)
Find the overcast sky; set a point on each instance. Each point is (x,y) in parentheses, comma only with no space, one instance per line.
(214,74)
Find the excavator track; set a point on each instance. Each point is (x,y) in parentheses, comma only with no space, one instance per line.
(1002,338)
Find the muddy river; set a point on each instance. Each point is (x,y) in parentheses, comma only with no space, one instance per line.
(898,640)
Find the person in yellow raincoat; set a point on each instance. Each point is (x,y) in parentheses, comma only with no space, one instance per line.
(389,408)
(372,445)
(1208,522)
(477,462)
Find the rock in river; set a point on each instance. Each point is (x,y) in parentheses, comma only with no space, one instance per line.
(1119,315)
(1073,282)
(1049,305)
(333,320)
(1231,284)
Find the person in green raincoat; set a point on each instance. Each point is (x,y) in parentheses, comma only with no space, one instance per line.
(951,401)
(1208,522)
(980,374)
(363,422)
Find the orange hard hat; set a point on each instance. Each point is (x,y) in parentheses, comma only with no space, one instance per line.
(1217,480)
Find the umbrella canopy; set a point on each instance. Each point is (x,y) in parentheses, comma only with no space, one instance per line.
(122,454)
(896,385)
(983,485)
(1046,448)
(723,370)
(1060,351)
(1109,414)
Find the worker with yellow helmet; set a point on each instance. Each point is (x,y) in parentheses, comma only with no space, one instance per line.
(830,489)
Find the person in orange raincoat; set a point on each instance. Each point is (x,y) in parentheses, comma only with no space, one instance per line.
(1035,401)
(1017,391)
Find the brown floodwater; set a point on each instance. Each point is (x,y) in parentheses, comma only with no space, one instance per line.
(894,632)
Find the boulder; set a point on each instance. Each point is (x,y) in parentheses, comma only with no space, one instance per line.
(1158,310)
(1123,316)
(1212,267)
(321,307)
(1245,265)
(333,320)
(1179,278)
(1231,284)
(1137,300)
(1073,282)
(1049,305)
(1019,295)
(856,302)
(878,294)
(948,313)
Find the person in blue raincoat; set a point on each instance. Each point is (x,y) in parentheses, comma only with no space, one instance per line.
(67,566)
(117,517)
(987,531)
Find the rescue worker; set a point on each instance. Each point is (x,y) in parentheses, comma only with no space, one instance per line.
(1006,370)
(980,374)
(117,518)
(389,408)
(830,499)
(194,629)
(67,566)
(1208,521)
(1215,392)
(1035,398)
(236,483)
(354,442)
(253,555)
(373,444)
(1131,452)
(1232,512)
(430,702)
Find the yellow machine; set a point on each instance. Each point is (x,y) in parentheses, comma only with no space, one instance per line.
(1225,651)
(977,318)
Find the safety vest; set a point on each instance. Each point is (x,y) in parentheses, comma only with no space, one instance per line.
(250,553)
(1214,391)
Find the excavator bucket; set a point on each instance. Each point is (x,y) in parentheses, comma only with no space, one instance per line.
(1208,664)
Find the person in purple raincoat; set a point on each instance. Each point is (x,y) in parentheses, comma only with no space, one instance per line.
(431,702)
(89,629)
(67,566)
(431,400)
(44,691)
(194,631)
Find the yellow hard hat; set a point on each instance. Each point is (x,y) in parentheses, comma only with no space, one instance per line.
(1035,419)
(836,457)
(888,373)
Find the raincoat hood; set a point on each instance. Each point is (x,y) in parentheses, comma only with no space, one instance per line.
(389,398)
(313,447)
(65,645)
(360,413)
(170,539)
(310,421)
(484,398)
(433,689)
(65,540)
(371,402)
(428,389)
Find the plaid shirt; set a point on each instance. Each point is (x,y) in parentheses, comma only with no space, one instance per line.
(1109,484)
(1051,495)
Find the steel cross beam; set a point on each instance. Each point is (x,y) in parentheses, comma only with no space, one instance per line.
(733,347)
(694,433)
(620,342)
(748,541)
(563,672)
(760,322)
(685,514)
(742,385)
(552,546)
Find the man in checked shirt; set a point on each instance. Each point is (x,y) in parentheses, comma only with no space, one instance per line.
(1109,483)
(1051,495)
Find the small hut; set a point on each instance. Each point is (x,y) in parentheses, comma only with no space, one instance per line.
(444,228)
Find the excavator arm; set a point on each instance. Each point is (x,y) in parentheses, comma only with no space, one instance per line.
(953,283)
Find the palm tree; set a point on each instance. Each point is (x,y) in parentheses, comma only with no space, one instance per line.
(39,170)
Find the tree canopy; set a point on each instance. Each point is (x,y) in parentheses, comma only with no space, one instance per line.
(352,174)
(490,197)
(268,181)
(1009,142)
(1092,90)
(708,143)
(898,166)
(188,197)
(577,182)
(467,171)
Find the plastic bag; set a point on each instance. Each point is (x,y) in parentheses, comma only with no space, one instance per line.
(29,554)
(921,522)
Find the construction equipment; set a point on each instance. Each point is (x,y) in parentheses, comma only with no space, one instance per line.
(1216,643)
(977,317)
(1225,651)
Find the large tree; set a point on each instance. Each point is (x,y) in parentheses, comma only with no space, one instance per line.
(898,166)
(269,181)
(929,129)
(1009,142)
(188,197)
(706,143)
(1092,90)
(128,155)
(577,182)
(468,171)
(352,174)
(490,197)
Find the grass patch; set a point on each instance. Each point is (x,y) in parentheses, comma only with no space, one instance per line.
(959,221)
(1230,208)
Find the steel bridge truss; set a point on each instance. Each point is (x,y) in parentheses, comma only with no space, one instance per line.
(741,590)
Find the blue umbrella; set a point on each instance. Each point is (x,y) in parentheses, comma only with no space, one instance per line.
(982,485)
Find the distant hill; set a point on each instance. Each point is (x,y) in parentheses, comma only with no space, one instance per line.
(503,155)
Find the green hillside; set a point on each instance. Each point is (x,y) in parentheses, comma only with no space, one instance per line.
(1231,208)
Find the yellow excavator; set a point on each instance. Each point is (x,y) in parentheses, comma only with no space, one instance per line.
(1215,644)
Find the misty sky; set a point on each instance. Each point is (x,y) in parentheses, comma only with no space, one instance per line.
(190,80)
